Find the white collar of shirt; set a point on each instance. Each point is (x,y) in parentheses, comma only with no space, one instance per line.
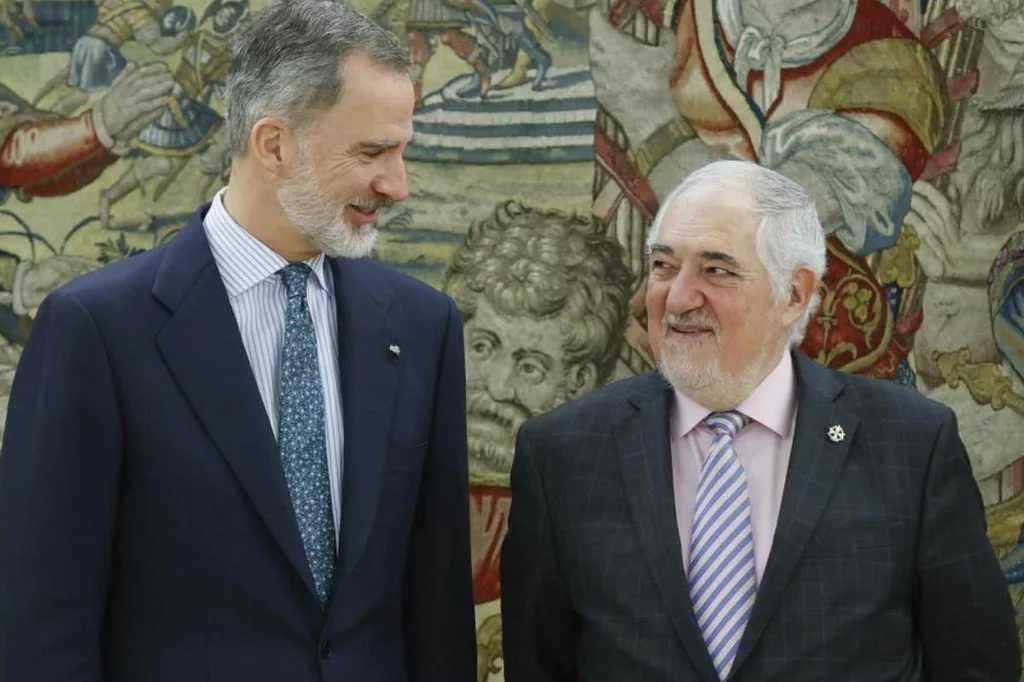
(245,261)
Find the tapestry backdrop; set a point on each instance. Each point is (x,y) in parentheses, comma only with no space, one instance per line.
(546,134)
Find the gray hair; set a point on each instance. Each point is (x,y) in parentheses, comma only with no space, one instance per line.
(789,234)
(289,60)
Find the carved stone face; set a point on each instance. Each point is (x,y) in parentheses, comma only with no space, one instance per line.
(515,368)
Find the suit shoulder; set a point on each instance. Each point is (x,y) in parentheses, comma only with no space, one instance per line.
(601,408)
(879,399)
(117,282)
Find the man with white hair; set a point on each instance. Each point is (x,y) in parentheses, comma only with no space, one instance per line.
(744,512)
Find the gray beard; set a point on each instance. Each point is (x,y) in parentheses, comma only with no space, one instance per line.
(492,428)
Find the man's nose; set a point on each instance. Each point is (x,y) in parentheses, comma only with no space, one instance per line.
(684,294)
(499,382)
(393,184)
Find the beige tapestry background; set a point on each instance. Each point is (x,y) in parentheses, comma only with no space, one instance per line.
(546,134)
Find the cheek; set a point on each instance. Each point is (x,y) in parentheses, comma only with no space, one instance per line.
(655,306)
(750,325)
(478,367)
(738,320)
(536,396)
(474,370)
(344,179)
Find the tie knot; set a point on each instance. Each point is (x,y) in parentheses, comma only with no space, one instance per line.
(295,277)
(726,423)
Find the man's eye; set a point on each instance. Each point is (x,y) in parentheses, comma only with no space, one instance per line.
(482,348)
(532,372)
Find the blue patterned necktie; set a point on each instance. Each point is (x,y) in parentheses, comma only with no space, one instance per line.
(301,433)
(721,573)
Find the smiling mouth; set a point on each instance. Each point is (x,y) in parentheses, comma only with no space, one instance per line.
(691,331)
(363,215)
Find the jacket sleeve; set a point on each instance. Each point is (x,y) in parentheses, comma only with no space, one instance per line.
(440,634)
(963,612)
(53,156)
(539,626)
(59,477)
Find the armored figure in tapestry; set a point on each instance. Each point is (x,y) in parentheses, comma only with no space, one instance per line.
(188,125)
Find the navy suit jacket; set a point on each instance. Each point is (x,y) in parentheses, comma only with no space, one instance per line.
(146,531)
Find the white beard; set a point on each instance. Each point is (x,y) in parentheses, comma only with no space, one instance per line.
(319,217)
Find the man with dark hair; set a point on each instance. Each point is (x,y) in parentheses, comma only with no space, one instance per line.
(242,455)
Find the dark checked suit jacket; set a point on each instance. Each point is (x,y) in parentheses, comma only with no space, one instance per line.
(880,569)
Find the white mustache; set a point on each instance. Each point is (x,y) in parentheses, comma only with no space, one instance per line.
(695,319)
(367,205)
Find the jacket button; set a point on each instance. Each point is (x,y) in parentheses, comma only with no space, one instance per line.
(325,650)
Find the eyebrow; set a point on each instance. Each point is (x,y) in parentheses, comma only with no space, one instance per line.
(379,145)
(539,355)
(480,331)
(721,256)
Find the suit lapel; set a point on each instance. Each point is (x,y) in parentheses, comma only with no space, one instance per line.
(642,441)
(203,349)
(369,378)
(814,468)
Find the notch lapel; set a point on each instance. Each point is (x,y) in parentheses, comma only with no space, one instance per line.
(814,467)
(642,441)
(203,349)
(369,379)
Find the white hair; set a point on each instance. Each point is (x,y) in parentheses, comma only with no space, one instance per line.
(789,234)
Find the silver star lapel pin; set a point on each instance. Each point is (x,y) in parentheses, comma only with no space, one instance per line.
(395,350)
(836,433)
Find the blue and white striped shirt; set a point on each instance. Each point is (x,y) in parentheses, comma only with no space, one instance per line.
(249,269)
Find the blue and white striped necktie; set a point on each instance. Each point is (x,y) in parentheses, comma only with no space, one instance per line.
(721,572)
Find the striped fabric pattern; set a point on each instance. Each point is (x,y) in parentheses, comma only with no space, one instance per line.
(552,125)
(258,299)
(721,572)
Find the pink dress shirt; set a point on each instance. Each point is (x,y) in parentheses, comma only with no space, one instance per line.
(763,447)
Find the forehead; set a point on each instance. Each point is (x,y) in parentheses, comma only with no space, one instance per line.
(375,102)
(514,330)
(719,218)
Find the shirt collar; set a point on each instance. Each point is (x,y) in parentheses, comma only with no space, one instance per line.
(771,404)
(243,260)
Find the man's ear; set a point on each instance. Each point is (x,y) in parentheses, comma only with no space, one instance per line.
(582,379)
(801,289)
(273,145)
